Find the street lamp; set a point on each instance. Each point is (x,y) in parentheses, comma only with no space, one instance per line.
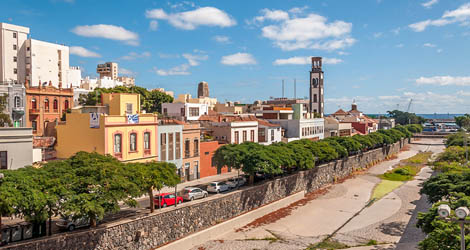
(461,213)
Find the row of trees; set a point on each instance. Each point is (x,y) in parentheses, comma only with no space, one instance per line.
(87,185)
(450,186)
(405,117)
(277,158)
(150,100)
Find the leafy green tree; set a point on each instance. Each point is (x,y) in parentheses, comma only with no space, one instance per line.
(152,175)
(404,130)
(303,157)
(150,101)
(452,154)
(229,155)
(456,139)
(5,119)
(342,151)
(259,160)
(463,121)
(365,141)
(9,194)
(282,154)
(377,139)
(349,143)
(404,118)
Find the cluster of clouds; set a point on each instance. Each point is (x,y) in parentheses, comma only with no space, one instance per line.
(192,59)
(460,15)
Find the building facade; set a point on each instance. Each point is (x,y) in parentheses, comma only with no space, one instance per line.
(16,148)
(203,90)
(316,102)
(185,111)
(170,144)
(46,104)
(192,149)
(119,130)
(235,132)
(269,133)
(208,168)
(108,69)
(13,52)
(16,102)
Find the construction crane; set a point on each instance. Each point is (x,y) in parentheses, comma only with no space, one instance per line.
(409,105)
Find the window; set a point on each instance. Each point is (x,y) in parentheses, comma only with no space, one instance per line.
(178,145)
(55,105)
(33,104)
(237,137)
(133,142)
(117,144)
(163,147)
(14,34)
(244,135)
(193,111)
(196,147)
(272,135)
(315,98)
(15,71)
(27,49)
(165,111)
(129,108)
(182,112)
(171,150)
(46,104)
(14,46)
(147,142)
(3,160)
(66,104)
(15,59)
(252,135)
(34,125)
(186,148)
(18,102)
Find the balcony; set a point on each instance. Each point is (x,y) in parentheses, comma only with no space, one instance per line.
(187,154)
(34,111)
(196,154)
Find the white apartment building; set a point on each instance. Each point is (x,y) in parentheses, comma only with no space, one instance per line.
(235,132)
(48,62)
(105,82)
(188,111)
(13,52)
(22,58)
(74,77)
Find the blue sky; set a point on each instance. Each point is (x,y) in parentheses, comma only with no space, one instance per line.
(379,52)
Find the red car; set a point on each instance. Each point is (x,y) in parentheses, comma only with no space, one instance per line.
(167,199)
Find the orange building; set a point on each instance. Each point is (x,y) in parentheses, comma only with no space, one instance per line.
(45,104)
(191,158)
(208,149)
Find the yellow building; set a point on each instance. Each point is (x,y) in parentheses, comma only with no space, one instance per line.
(116,128)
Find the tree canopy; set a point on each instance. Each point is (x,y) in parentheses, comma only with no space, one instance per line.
(5,120)
(463,121)
(404,118)
(150,101)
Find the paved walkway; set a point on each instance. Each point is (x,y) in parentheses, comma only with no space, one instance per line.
(384,221)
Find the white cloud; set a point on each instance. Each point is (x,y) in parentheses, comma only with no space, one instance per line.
(460,15)
(238,59)
(153,25)
(389,97)
(193,60)
(444,80)
(396,31)
(273,15)
(134,55)
(222,39)
(190,20)
(342,53)
(127,72)
(310,32)
(108,32)
(439,50)
(463,93)
(175,71)
(298,10)
(297,60)
(400,45)
(83,52)
(429,3)
(378,34)
(429,45)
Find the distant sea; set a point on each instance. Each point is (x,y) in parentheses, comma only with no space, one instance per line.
(435,116)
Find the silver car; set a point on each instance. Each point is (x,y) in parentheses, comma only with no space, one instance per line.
(193,193)
(236,182)
(217,187)
(70,225)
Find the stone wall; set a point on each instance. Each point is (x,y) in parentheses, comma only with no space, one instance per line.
(163,227)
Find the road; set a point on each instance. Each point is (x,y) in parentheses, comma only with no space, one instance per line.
(343,213)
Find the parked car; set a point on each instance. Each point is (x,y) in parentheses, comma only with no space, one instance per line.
(167,199)
(193,193)
(66,223)
(217,187)
(236,182)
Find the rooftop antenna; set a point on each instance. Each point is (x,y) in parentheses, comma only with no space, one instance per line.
(282,88)
(295,88)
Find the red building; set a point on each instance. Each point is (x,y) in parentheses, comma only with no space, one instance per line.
(208,149)
(44,105)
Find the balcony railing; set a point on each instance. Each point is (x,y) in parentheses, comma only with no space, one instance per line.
(187,154)
(34,111)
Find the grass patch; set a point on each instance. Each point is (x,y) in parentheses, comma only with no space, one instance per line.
(372,243)
(383,188)
(420,158)
(328,244)
(401,173)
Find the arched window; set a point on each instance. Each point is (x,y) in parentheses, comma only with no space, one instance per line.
(34,104)
(66,104)
(55,105)
(46,104)
(17,102)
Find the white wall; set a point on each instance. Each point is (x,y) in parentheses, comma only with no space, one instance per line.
(203,110)
(45,65)
(7,65)
(74,78)
(244,126)
(174,109)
